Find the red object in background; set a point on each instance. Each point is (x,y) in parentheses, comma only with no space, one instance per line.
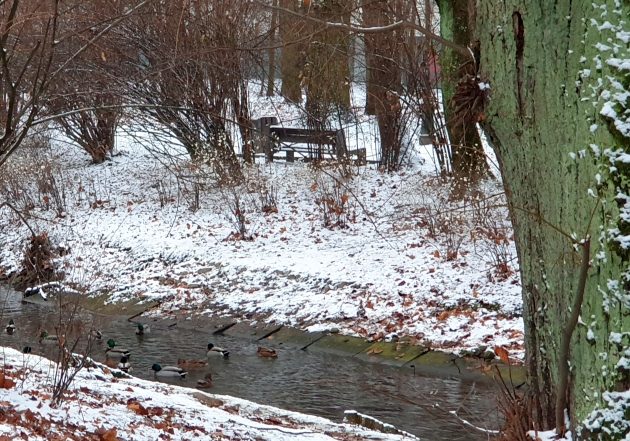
(433,62)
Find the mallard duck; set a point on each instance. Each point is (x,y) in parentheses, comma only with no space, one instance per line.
(168,371)
(44,338)
(215,352)
(11,327)
(113,352)
(206,382)
(266,352)
(124,364)
(142,329)
(111,363)
(191,364)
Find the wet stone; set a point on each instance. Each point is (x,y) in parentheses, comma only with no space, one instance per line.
(293,337)
(246,329)
(394,353)
(340,344)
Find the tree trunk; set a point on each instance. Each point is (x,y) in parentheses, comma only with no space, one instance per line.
(240,106)
(271,77)
(370,13)
(328,72)
(383,53)
(292,58)
(469,161)
(545,117)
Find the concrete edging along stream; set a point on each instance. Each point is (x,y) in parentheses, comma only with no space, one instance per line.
(422,360)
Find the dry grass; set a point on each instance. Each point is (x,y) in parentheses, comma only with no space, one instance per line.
(517,409)
(469,101)
(37,263)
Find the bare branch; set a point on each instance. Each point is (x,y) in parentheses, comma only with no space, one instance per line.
(92,40)
(376,29)
(563,358)
(16,211)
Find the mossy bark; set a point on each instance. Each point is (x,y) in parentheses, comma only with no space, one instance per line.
(541,117)
(458,23)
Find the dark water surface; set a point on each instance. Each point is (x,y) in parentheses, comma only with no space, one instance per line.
(311,382)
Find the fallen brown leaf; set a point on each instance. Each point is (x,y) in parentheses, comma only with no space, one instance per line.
(138,408)
(503,354)
(157,411)
(6,382)
(107,435)
(444,315)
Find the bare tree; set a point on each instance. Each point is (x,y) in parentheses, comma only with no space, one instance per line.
(85,93)
(389,29)
(30,62)
(327,71)
(28,31)
(189,62)
(421,86)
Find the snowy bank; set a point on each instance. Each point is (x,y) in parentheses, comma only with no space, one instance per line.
(99,406)
(396,260)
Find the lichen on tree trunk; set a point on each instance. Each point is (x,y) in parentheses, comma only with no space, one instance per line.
(544,67)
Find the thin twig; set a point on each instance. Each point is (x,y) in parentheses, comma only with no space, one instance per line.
(563,367)
(363,207)
(22,218)
(471,425)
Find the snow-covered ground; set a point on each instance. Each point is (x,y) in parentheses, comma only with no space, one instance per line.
(98,406)
(406,262)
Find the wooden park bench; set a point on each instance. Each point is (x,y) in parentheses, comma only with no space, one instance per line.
(309,144)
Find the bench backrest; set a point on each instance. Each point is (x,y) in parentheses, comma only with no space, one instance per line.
(334,138)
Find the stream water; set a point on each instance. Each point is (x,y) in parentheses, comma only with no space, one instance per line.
(311,382)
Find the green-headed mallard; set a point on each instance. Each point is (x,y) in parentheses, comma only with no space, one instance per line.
(168,371)
(44,338)
(11,327)
(115,352)
(191,364)
(215,352)
(206,382)
(142,329)
(266,352)
(124,364)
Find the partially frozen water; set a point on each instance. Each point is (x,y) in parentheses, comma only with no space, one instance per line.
(303,381)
